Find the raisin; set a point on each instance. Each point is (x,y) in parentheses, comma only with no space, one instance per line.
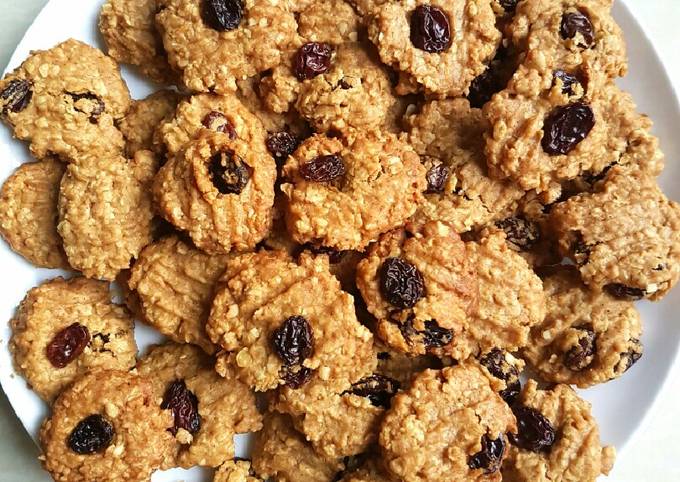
(577,22)
(334,256)
(218,122)
(534,431)
(401,284)
(92,434)
(434,336)
(565,127)
(184,406)
(88,103)
(630,357)
(222,15)
(508,5)
(623,292)
(568,81)
(16,96)
(581,355)
(281,145)
(323,168)
(229,173)
(492,80)
(437,177)
(67,345)
(520,233)
(495,361)
(379,389)
(430,29)
(490,457)
(296,379)
(293,341)
(312,59)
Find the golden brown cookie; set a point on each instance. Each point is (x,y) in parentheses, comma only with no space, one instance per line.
(64,101)
(141,124)
(28,213)
(66,328)
(458,416)
(207,410)
(106,213)
(105,427)
(557,439)
(236,471)
(344,192)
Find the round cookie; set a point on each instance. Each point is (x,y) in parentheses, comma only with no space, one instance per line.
(458,417)
(214,44)
(344,192)
(28,213)
(105,427)
(220,190)
(587,337)
(422,290)
(174,284)
(64,101)
(439,45)
(66,328)
(129,31)
(140,126)
(283,322)
(557,439)
(106,213)
(624,237)
(236,470)
(207,409)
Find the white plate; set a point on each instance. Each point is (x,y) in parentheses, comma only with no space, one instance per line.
(620,406)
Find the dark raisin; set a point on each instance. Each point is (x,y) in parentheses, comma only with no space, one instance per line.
(508,5)
(430,29)
(88,103)
(630,357)
(16,95)
(520,233)
(184,406)
(229,173)
(293,341)
(67,345)
(401,284)
(437,177)
(492,80)
(312,59)
(296,378)
(623,292)
(577,22)
(92,434)
(534,431)
(218,122)
(581,355)
(334,256)
(281,145)
(222,15)
(434,336)
(490,457)
(565,127)
(379,389)
(323,168)
(568,81)
(496,362)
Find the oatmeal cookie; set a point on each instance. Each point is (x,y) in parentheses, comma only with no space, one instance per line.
(105,427)
(557,439)
(421,288)
(236,470)
(370,471)
(214,44)
(28,213)
(506,368)
(207,409)
(448,135)
(281,453)
(140,126)
(624,237)
(552,126)
(220,190)
(440,45)
(455,413)
(129,31)
(174,284)
(587,337)
(64,101)
(284,322)
(343,193)
(106,213)
(65,328)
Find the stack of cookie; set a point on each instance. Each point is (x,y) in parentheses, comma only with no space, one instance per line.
(375,213)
